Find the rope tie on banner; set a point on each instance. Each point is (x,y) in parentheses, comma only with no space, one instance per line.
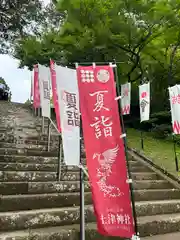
(129,180)
(117,98)
(123,135)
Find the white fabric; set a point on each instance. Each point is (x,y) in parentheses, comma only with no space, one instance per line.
(125,98)
(44,87)
(174,93)
(67,83)
(144,101)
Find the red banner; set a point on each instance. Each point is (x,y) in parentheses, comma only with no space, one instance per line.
(55,94)
(36,93)
(105,151)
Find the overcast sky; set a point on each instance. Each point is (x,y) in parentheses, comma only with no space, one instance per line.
(19,80)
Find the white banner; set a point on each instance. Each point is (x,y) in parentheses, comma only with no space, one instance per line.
(144,101)
(174,94)
(44,85)
(125,98)
(68,98)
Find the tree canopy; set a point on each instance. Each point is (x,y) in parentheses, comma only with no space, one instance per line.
(143,36)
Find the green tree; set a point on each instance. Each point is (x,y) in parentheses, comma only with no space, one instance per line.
(142,35)
(17,19)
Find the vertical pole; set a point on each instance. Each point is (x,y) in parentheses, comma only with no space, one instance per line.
(42,125)
(81,179)
(175,154)
(125,146)
(142,141)
(49,135)
(82,212)
(59,160)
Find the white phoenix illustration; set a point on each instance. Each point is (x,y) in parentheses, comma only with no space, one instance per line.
(105,170)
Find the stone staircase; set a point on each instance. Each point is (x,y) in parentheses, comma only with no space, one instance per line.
(34,206)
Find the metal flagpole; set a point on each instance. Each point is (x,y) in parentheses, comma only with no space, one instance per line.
(59,160)
(81,179)
(43,125)
(142,141)
(125,145)
(175,153)
(49,135)
(82,212)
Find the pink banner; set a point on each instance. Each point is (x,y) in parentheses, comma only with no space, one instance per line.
(36,93)
(55,94)
(105,151)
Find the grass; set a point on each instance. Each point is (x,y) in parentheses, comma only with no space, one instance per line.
(159,151)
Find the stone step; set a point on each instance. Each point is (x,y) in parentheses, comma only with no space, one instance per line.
(66,216)
(27,152)
(140,169)
(147,227)
(42,160)
(39,201)
(11,188)
(28,159)
(4,166)
(20,144)
(52,200)
(41,176)
(168,236)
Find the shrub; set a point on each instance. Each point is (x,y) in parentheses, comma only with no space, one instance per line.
(163,117)
(161,131)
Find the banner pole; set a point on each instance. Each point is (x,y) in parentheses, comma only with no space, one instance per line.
(82,211)
(42,125)
(126,153)
(142,140)
(175,154)
(59,160)
(49,135)
(81,181)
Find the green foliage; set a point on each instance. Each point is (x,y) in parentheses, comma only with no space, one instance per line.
(18,18)
(162,131)
(2,80)
(143,36)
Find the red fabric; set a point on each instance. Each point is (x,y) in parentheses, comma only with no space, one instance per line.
(105,151)
(36,93)
(55,94)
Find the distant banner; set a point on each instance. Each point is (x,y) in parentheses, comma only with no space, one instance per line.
(174,93)
(125,98)
(105,151)
(44,86)
(36,93)
(68,98)
(144,101)
(55,94)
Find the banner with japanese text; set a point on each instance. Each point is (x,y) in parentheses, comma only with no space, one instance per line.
(125,98)
(68,98)
(174,94)
(144,101)
(55,94)
(105,153)
(44,86)
(36,93)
